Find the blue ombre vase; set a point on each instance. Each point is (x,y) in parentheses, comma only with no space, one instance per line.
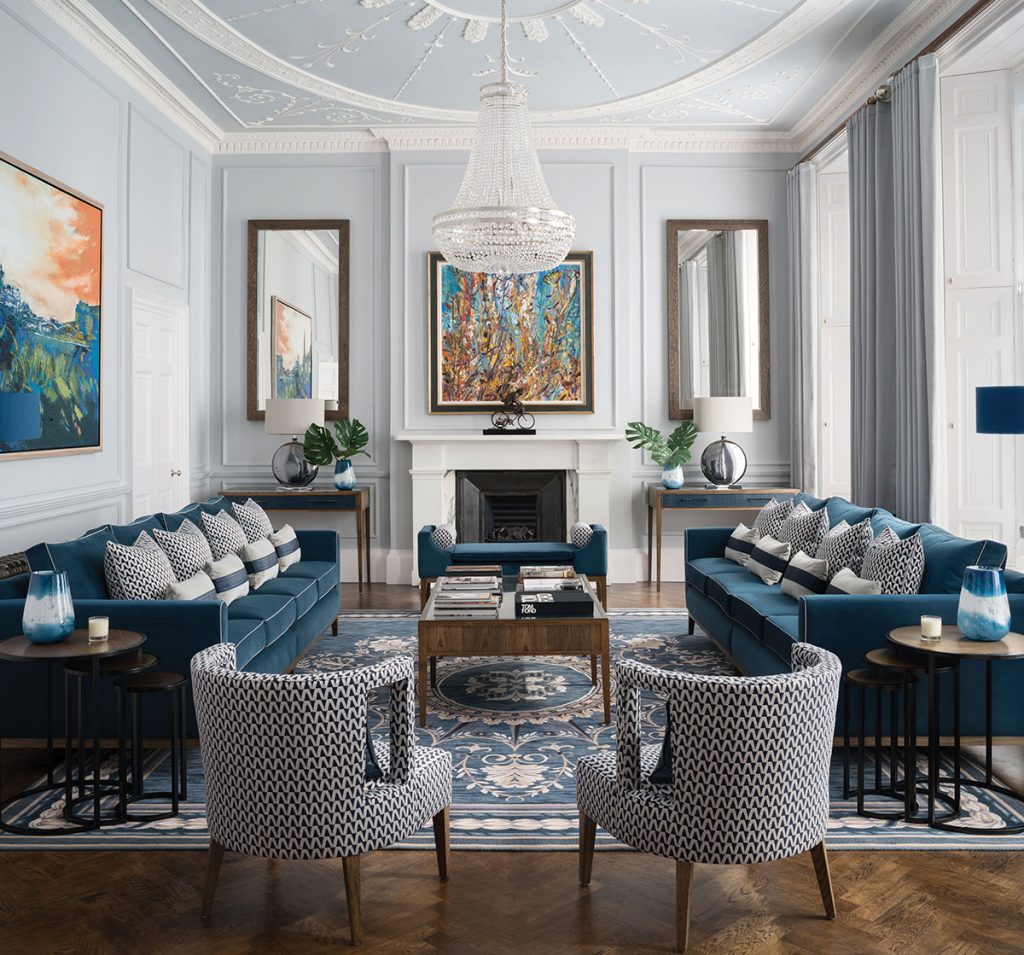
(984,611)
(672,478)
(49,615)
(344,475)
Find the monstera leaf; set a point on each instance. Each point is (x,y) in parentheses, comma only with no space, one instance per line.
(679,443)
(645,438)
(352,437)
(319,446)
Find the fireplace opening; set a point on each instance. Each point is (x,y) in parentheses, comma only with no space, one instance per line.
(510,506)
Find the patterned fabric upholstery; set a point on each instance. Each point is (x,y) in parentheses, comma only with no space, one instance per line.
(285,760)
(750,765)
(186,549)
(444,536)
(224,534)
(253,520)
(581,535)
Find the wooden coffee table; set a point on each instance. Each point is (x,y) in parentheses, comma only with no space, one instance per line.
(506,636)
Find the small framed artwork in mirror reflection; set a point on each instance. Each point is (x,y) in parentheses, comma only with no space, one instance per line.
(719,335)
(293,350)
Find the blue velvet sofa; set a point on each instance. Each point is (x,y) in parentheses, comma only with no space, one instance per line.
(592,560)
(756,625)
(270,627)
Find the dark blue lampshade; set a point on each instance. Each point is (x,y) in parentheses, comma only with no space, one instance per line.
(1000,410)
(19,416)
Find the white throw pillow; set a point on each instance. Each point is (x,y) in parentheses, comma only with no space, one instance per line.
(229,578)
(804,576)
(847,582)
(769,559)
(741,544)
(260,560)
(197,587)
(286,544)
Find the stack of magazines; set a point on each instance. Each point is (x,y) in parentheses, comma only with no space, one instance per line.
(552,592)
(467,597)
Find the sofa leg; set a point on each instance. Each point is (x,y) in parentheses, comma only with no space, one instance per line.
(334,626)
(690,624)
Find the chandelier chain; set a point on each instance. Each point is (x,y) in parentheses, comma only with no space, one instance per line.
(504,43)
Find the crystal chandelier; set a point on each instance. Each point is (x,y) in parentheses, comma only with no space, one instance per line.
(504,219)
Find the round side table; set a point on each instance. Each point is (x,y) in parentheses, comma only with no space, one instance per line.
(953,647)
(76,647)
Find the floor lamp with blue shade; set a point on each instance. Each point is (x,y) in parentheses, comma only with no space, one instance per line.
(20,419)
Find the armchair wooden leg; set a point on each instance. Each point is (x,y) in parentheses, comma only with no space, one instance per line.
(442,842)
(334,626)
(588,832)
(684,884)
(350,864)
(690,624)
(213,862)
(820,857)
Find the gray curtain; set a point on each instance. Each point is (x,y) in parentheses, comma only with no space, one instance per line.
(919,311)
(873,335)
(687,332)
(725,305)
(801,193)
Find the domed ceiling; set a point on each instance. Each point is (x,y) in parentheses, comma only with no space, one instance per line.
(336,64)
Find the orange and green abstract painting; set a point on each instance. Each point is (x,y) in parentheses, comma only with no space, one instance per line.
(535,330)
(50,285)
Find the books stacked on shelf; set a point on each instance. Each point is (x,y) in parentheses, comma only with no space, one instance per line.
(555,591)
(467,597)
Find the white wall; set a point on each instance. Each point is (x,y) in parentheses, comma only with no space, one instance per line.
(70,117)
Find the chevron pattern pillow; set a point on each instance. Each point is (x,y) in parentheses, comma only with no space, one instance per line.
(286,544)
(260,560)
(845,546)
(769,519)
(187,550)
(804,529)
(769,559)
(229,578)
(137,572)
(197,587)
(224,534)
(741,544)
(898,565)
(253,520)
(804,576)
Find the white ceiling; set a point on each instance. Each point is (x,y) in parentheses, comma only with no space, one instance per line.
(767,71)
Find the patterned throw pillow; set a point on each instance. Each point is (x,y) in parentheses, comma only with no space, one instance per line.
(741,543)
(260,561)
(229,578)
(145,541)
(444,536)
(286,544)
(253,520)
(136,573)
(845,546)
(769,558)
(187,550)
(898,565)
(804,529)
(197,587)
(581,534)
(769,519)
(224,534)
(804,575)
(847,582)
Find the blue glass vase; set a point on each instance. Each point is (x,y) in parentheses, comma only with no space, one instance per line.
(344,475)
(984,611)
(672,478)
(49,615)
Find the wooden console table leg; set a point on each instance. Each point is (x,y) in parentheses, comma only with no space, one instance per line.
(359,546)
(650,539)
(659,548)
(366,542)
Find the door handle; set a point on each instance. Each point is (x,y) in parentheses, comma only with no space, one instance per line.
(175,473)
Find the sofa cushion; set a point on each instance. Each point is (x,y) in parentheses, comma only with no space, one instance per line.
(769,559)
(698,571)
(840,509)
(882,519)
(324,572)
(173,522)
(302,589)
(81,558)
(526,552)
(946,557)
(750,607)
(741,543)
(722,588)
(128,534)
(215,505)
(781,631)
(248,636)
(275,610)
(814,503)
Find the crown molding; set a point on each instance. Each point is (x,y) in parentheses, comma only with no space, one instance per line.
(276,142)
(116,52)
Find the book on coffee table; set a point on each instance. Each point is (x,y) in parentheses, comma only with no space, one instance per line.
(564,603)
(562,571)
(473,570)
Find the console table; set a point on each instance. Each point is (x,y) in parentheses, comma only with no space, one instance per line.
(660,498)
(327,499)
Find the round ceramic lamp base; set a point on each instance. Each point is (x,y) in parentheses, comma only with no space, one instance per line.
(290,466)
(723,462)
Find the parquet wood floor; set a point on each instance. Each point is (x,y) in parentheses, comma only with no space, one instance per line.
(501,903)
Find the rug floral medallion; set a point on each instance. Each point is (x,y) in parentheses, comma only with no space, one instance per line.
(515,728)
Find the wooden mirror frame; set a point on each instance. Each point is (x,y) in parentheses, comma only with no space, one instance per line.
(672,229)
(255,226)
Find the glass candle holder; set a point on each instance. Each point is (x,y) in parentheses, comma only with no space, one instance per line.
(931,628)
(99,629)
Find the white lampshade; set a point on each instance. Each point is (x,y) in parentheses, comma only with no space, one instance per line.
(723,415)
(293,415)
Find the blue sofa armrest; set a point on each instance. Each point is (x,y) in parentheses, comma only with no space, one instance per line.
(319,545)
(431,560)
(11,610)
(593,559)
(706,541)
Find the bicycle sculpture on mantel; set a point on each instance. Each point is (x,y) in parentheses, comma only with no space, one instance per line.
(512,418)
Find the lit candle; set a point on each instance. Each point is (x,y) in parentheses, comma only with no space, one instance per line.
(99,628)
(931,627)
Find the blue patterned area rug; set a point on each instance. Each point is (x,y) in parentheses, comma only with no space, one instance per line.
(515,728)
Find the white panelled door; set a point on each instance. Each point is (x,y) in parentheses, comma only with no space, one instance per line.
(979,299)
(159,403)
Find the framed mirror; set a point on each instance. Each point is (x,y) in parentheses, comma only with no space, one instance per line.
(718,323)
(297,304)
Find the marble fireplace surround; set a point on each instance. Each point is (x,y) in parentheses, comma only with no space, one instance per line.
(436,456)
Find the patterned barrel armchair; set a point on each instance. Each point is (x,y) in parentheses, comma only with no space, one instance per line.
(285,758)
(749,770)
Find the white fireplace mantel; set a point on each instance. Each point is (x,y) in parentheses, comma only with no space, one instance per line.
(437,455)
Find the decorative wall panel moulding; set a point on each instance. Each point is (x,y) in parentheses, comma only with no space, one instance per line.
(269,143)
(113,49)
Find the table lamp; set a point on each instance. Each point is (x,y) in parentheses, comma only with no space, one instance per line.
(20,418)
(723,462)
(293,416)
(999,409)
